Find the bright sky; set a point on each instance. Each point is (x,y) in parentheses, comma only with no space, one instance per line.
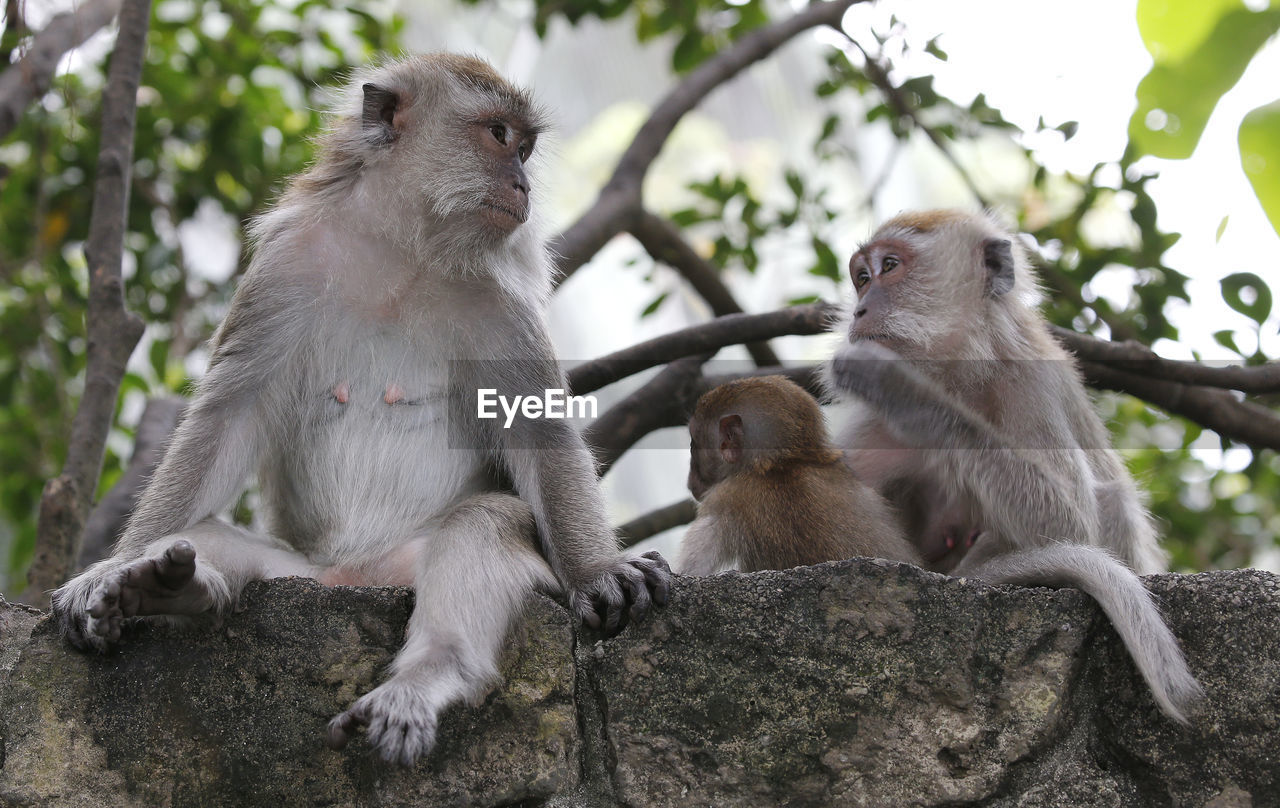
(1082,61)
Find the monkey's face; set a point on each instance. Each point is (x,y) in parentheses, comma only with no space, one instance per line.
(503,145)
(925,280)
(713,451)
(887,279)
(700,465)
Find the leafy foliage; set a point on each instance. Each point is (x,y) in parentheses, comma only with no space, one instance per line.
(225,112)
(1201,50)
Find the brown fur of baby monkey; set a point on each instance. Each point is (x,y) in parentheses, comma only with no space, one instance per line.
(773,492)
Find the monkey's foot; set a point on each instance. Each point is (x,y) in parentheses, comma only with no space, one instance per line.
(93,608)
(626,592)
(399,717)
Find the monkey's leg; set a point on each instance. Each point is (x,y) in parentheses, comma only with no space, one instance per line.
(475,575)
(197,571)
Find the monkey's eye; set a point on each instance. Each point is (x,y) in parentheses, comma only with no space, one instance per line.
(526,148)
(861,278)
(888,263)
(499,132)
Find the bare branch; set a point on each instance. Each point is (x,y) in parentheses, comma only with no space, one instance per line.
(664,242)
(879,76)
(657,521)
(107,520)
(1215,409)
(1134,357)
(732,329)
(620,198)
(666,400)
(30,78)
(112,330)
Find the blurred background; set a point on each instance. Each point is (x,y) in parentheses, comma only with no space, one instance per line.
(1136,143)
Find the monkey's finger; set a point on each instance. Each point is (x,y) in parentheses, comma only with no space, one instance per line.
(344,726)
(177,566)
(657,576)
(106,599)
(611,603)
(637,592)
(584,608)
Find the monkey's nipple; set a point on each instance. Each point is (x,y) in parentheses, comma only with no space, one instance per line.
(394,394)
(342,392)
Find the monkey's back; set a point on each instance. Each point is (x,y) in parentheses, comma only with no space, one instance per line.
(803,514)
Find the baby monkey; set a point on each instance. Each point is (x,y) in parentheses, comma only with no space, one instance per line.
(772,491)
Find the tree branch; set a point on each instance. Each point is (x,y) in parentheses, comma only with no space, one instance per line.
(1134,357)
(657,521)
(620,197)
(30,78)
(112,330)
(879,76)
(664,242)
(665,400)
(732,329)
(1215,409)
(107,520)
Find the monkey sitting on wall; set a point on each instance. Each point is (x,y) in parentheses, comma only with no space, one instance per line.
(772,491)
(391,282)
(975,423)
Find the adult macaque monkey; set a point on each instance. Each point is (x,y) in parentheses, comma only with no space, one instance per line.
(984,430)
(336,376)
(772,491)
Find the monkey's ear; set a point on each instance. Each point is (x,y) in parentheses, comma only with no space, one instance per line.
(997,255)
(731,438)
(379,115)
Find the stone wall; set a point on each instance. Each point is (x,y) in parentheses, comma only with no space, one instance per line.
(858,683)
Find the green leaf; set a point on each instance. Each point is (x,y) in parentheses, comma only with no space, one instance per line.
(159,356)
(1248,294)
(1222,228)
(828,266)
(1227,340)
(1259,139)
(795,183)
(931,48)
(1171,29)
(1177,96)
(690,50)
(652,307)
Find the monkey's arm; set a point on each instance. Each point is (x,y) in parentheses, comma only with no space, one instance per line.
(1025,495)
(220,438)
(551,468)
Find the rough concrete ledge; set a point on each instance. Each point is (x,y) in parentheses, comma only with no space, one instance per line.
(857,683)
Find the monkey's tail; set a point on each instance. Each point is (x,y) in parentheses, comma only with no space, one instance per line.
(1126,602)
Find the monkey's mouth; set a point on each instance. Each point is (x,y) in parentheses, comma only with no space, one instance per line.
(503,215)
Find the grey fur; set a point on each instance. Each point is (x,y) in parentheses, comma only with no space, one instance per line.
(378,299)
(997,436)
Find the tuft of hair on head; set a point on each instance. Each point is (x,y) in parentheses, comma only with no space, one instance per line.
(781,421)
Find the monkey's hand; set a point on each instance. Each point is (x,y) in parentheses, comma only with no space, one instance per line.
(623,593)
(917,410)
(398,715)
(92,607)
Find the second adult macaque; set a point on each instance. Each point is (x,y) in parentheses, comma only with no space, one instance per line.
(976,424)
(772,491)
